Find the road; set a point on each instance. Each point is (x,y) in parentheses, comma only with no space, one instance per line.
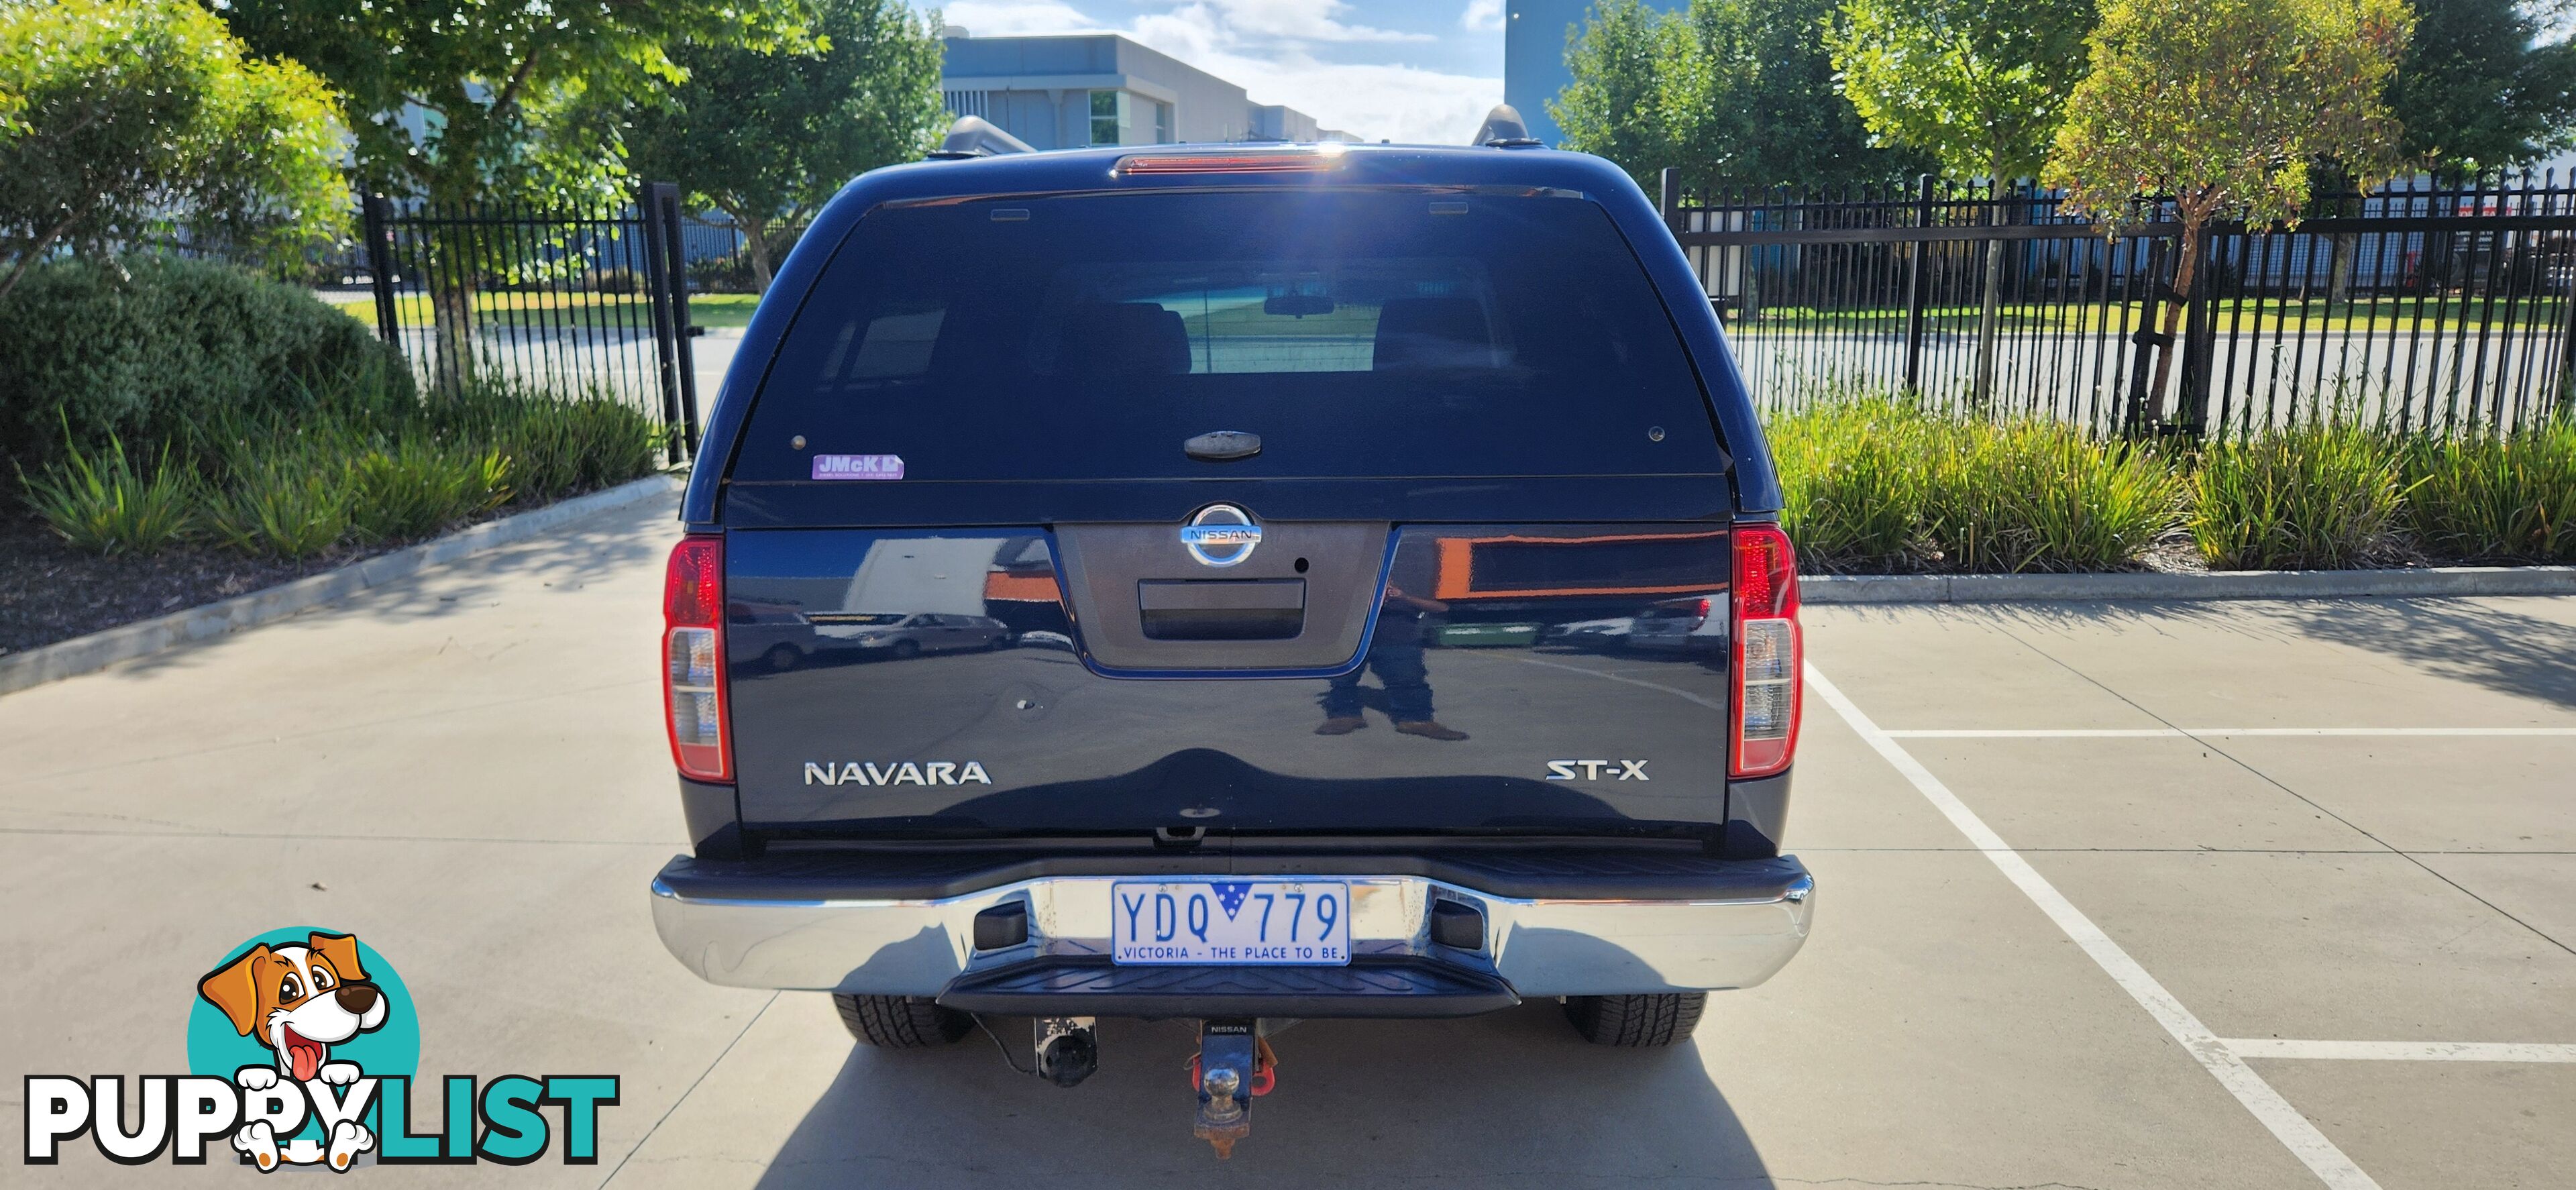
(2094,912)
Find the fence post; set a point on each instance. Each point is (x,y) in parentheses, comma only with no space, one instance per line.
(1915,280)
(1672,197)
(2199,341)
(374,209)
(683,330)
(657,274)
(2142,364)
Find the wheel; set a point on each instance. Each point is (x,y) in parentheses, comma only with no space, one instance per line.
(1636,1021)
(783,657)
(901,1022)
(906,649)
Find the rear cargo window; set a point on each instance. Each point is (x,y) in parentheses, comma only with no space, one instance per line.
(1359,333)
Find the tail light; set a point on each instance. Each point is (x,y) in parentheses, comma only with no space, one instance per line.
(693,659)
(1768,651)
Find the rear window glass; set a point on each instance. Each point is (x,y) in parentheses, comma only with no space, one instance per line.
(1359,333)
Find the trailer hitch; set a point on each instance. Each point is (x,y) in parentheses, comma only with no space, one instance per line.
(1233,1065)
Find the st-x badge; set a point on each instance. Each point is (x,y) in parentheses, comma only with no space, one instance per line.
(1220,535)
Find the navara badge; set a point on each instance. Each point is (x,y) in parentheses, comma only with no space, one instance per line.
(1221,535)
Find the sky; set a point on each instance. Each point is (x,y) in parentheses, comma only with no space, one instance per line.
(1402,70)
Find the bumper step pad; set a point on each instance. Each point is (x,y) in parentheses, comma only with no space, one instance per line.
(1399,987)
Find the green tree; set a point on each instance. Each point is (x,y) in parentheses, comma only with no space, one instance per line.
(1614,106)
(126,122)
(459,101)
(767,135)
(1976,83)
(1759,105)
(2220,107)
(1729,92)
(2479,89)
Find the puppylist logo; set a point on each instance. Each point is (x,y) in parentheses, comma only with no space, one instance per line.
(302,1050)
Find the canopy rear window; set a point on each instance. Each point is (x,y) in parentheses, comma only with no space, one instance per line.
(1359,333)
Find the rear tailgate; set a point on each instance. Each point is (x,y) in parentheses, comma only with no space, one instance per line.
(1563,730)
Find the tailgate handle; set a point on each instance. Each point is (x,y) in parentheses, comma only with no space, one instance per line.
(1223,445)
(1222,609)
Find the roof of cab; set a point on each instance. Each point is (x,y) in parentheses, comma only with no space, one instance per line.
(1096,169)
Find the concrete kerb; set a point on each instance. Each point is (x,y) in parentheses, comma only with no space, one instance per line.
(84,654)
(2430,582)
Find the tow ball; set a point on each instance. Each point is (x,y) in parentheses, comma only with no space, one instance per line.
(1234,1064)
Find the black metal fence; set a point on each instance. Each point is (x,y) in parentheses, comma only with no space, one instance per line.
(2423,307)
(591,302)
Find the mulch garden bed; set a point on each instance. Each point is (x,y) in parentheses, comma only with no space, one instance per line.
(51,592)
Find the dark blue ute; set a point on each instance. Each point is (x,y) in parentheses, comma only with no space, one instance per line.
(1237,491)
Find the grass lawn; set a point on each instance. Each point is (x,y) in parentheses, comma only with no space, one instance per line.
(544,310)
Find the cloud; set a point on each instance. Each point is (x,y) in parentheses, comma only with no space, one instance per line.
(1484,16)
(1280,52)
(1405,104)
(1293,20)
(1017,18)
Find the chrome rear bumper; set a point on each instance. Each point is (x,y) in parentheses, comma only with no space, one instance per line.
(1745,928)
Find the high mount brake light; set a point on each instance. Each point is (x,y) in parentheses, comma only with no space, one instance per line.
(693,659)
(1275,161)
(1768,651)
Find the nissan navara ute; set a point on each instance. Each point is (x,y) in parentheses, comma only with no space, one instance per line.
(1335,531)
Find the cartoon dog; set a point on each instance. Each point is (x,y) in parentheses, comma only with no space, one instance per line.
(299,1001)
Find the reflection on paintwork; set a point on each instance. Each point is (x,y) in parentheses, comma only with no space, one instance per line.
(1493,652)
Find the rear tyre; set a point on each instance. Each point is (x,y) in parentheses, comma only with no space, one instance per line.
(1636,1022)
(901,1022)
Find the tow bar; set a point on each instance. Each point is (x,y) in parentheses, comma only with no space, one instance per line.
(1234,1064)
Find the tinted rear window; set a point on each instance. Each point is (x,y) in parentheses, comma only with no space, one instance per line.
(1359,333)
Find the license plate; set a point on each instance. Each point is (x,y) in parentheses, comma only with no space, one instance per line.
(1231,922)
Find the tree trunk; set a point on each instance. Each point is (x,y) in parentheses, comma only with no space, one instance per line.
(2339,273)
(454,262)
(2184,270)
(451,311)
(1990,315)
(1987,318)
(756,241)
(36,252)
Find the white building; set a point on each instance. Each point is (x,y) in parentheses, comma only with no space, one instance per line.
(1102,89)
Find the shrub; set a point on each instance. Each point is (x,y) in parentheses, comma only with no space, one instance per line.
(281,491)
(1875,481)
(2312,497)
(289,514)
(416,485)
(2495,498)
(1854,481)
(2036,495)
(107,505)
(154,352)
(556,445)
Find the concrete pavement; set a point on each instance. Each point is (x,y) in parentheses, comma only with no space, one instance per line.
(467,769)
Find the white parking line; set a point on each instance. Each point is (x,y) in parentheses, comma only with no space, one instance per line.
(2113,733)
(2400,1051)
(2293,1130)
